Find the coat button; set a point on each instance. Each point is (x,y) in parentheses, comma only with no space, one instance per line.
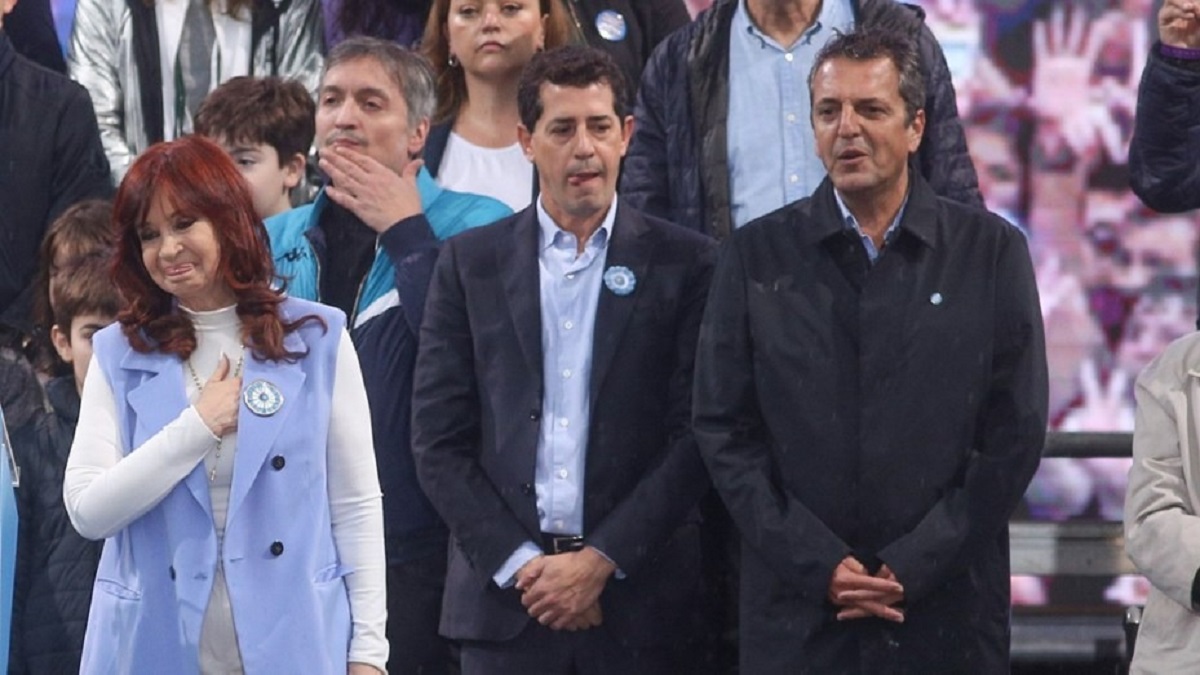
(171,570)
(277,548)
(527,488)
(278,462)
(535,415)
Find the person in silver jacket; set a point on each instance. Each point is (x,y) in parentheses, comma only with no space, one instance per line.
(148,65)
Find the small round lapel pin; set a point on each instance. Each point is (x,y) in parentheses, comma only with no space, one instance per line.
(620,280)
(935,299)
(611,25)
(263,398)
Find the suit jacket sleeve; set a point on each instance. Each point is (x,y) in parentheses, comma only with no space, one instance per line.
(80,167)
(657,505)
(1162,530)
(448,425)
(1010,433)
(735,445)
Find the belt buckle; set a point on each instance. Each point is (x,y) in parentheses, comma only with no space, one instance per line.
(565,544)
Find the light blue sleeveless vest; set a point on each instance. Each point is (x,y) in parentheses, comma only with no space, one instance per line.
(285,582)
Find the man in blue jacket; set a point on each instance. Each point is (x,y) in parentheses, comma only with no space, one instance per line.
(721,133)
(367,246)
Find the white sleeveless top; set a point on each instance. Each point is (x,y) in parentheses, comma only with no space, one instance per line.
(500,173)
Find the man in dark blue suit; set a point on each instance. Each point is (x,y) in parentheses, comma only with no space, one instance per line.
(551,404)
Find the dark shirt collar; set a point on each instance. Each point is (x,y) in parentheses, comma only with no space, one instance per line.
(919,219)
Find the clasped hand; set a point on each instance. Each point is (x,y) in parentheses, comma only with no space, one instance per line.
(859,595)
(563,591)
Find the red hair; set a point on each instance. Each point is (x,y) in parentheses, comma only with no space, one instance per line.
(200,181)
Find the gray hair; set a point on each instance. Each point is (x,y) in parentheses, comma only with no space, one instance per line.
(869,44)
(410,72)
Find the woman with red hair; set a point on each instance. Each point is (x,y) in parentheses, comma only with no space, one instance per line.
(224,448)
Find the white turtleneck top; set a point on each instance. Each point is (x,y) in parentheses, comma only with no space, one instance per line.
(105,490)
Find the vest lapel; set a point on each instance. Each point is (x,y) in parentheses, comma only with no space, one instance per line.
(518,264)
(627,249)
(156,402)
(256,435)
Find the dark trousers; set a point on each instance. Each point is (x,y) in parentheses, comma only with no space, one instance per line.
(414,605)
(538,650)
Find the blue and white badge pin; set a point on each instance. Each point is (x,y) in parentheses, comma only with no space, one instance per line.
(611,25)
(620,280)
(263,398)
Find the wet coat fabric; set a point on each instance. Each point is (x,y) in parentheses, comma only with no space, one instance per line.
(895,413)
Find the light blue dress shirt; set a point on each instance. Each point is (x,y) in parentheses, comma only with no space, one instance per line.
(772,152)
(851,223)
(570,287)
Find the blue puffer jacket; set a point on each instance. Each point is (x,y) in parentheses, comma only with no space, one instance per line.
(677,167)
(384,327)
(1163,167)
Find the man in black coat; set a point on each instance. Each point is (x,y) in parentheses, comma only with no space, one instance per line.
(551,405)
(50,158)
(871,397)
(687,162)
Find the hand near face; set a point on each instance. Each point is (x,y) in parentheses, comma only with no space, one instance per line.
(377,195)
(1179,23)
(567,589)
(218,402)
(860,595)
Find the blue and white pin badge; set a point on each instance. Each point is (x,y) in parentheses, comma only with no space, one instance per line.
(611,25)
(263,398)
(620,280)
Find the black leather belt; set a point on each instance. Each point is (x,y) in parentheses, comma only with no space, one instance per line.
(553,544)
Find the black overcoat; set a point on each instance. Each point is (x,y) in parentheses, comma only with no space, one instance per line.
(894,412)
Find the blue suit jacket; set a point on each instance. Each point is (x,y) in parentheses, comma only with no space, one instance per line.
(477,398)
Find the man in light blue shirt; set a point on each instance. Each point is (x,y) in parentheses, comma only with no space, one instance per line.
(772,155)
(552,403)
(722,133)
(569,284)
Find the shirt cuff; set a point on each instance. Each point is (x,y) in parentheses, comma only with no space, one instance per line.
(1181,53)
(408,235)
(618,574)
(506,576)
(192,412)
(1179,57)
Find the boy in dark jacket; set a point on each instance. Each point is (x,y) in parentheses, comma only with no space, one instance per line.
(56,566)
